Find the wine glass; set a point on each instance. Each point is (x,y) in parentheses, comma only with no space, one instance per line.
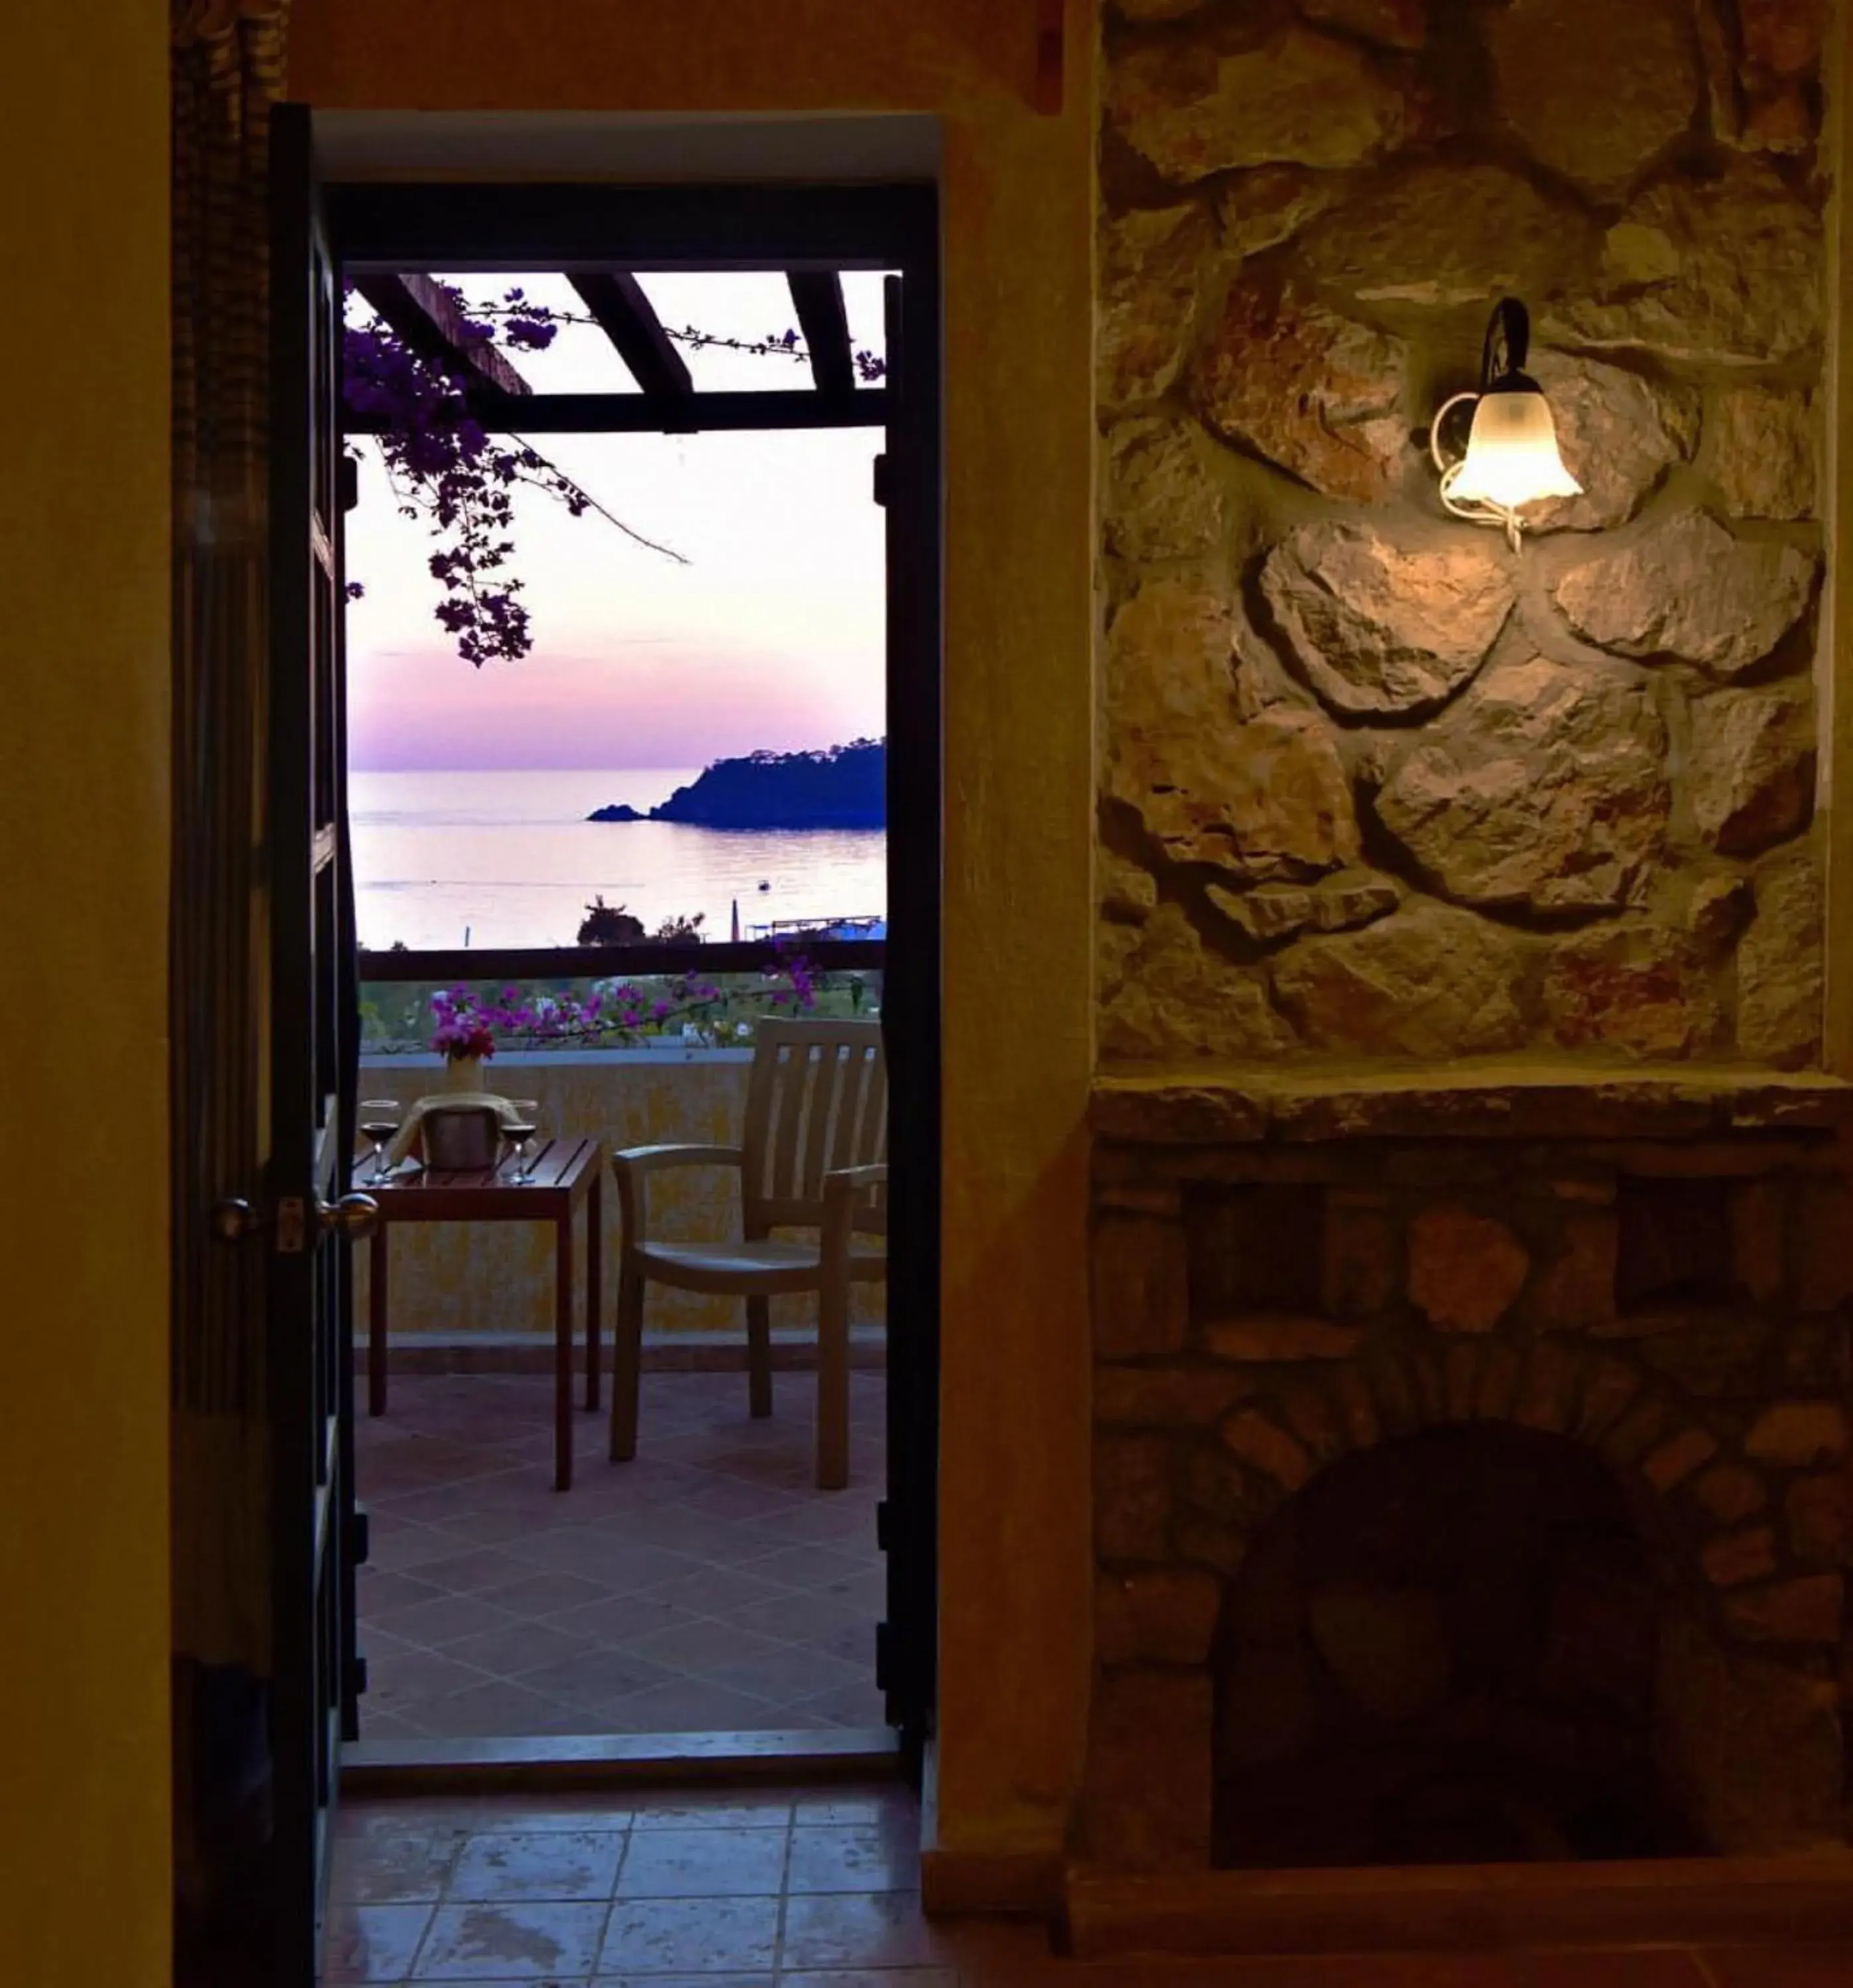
(379,1121)
(519,1131)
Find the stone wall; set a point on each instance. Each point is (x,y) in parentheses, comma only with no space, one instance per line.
(1270,1299)
(1370,783)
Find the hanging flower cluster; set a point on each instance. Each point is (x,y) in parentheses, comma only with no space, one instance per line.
(443,466)
(614,1012)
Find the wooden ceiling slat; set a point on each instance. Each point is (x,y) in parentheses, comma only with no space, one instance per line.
(817,295)
(629,319)
(426,317)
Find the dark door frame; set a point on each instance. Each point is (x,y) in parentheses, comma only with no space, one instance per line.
(456,228)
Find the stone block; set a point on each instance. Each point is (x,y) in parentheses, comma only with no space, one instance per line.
(1160,501)
(1759,1219)
(1309,1412)
(1730,1559)
(1228,1491)
(1824,1269)
(1498,1385)
(1687,589)
(1820,1512)
(1758,449)
(1618,433)
(1609,1389)
(1543,786)
(1636,1434)
(1779,971)
(1358,1267)
(1132,1497)
(1161,1617)
(1315,394)
(1194,105)
(1750,767)
(1546,54)
(1461,1368)
(1258,1441)
(1166,1397)
(1807,1610)
(1676,1459)
(1150,1771)
(1713,1357)
(1163,1201)
(1397,24)
(1447,236)
(1266,1339)
(1176,997)
(1465,1270)
(1266,205)
(1723,270)
(1634,987)
(1209,1542)
(1356,1410)
(1141,1288)
(1751,1744)
(1264,801)
(1815,1355)
(1798,1435)
(1544,1389)
(1576,1290)
(1730,1492)
(1392,1386)
(1151,266)
(1384,624)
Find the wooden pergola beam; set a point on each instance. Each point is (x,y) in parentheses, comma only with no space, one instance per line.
(637,413)
(628,318)
(426,317)
(816,295)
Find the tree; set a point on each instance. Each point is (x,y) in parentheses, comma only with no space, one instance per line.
(609,924)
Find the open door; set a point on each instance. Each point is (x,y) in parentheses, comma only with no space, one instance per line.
(308,1218)
(907,484)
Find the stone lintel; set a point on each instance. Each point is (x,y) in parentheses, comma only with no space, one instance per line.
(1472,1098)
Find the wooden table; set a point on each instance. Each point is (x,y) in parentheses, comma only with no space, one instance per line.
(562,1173)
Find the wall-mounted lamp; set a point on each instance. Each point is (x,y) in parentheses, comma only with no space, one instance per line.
(1511,456)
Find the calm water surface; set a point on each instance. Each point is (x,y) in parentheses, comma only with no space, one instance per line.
(508,859)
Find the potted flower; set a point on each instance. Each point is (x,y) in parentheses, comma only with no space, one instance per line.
(463,1036)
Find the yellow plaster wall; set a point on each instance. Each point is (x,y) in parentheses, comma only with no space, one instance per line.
(452,1278)
(1017,224)
(84,1860)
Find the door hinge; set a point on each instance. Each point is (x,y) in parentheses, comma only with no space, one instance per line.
(292,1225)
(884,1650)
(884,480)
(359,1538)
(350,481)
(356,1677)
(884,1527)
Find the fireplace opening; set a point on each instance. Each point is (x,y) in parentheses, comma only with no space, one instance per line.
(1443,1650)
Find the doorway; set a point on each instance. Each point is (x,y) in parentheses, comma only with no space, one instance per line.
(492,1607)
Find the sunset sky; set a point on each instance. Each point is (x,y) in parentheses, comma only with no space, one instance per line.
(771,636)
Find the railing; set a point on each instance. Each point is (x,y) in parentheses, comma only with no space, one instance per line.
(628,962)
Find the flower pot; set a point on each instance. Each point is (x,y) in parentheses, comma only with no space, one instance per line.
(464,1073)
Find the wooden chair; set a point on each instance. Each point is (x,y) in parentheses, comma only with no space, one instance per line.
(814,1157)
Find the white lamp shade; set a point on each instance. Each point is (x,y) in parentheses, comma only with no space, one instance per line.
(1512,454)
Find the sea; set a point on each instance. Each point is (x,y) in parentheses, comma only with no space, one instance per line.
(508,859)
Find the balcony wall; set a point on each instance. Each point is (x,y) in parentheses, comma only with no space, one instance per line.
(452,1279)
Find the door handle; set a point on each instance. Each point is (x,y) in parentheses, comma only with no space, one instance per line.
(354,1215)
